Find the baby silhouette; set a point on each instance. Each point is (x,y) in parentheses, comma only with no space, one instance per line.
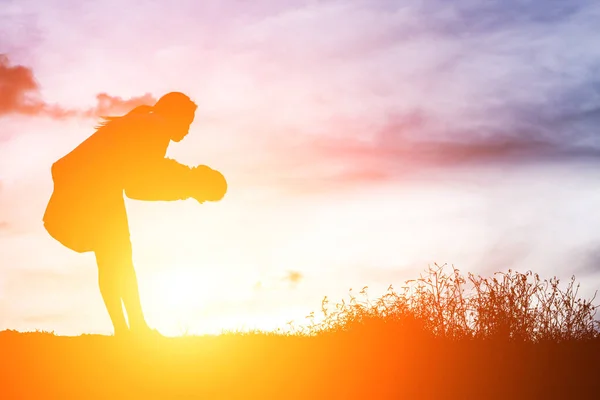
(86,211)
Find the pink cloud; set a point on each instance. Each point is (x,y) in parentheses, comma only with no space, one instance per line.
(16,82)
(21,95)
(109,105)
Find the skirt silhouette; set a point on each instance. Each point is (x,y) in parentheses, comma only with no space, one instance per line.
(85,213)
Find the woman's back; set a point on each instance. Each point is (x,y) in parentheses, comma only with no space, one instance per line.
(87,201)
(104,159)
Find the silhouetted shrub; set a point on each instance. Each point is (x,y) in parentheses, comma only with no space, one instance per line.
(445,304)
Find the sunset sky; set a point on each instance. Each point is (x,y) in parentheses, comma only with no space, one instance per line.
(362,140)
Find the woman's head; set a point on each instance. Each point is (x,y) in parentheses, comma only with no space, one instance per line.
(178,110)
(175,108)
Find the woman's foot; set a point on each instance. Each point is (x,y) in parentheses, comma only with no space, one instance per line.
(122,333)
(146,332)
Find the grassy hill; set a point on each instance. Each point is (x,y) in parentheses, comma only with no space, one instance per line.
(528,339)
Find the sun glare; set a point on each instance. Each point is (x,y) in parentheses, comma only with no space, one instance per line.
(177,297)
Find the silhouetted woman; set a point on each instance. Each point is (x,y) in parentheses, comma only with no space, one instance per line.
(125,155)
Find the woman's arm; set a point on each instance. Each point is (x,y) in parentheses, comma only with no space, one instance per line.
(162,179)
(148,174)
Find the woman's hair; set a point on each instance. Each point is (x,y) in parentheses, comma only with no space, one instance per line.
(143,109)
(171,104)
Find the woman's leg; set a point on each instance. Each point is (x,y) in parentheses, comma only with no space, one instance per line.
(109,282)
(131,298)
(118,282)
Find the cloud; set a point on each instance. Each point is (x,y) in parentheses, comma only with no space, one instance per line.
(388,89)
(392,88)
(390,146)
(16,82)
(586,260)
(20,94)
(330,163)
(109,105)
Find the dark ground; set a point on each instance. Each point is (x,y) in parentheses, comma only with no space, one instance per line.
(262,366)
